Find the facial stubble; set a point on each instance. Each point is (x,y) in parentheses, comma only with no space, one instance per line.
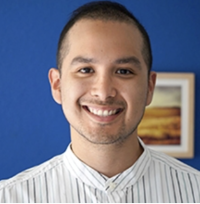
(100,135)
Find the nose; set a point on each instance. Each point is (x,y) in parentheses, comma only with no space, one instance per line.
(103,88)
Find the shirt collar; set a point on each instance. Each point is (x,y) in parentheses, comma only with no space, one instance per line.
(94,179)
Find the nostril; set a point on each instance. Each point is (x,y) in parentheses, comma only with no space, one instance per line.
(104,93)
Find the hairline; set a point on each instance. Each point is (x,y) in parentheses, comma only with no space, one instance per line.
(65,44)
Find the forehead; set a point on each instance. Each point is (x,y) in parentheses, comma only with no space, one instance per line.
(111,37)
(89,26)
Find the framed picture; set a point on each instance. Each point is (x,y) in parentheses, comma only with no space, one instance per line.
(168,122)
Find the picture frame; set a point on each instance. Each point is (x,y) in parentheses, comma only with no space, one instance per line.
(168,122)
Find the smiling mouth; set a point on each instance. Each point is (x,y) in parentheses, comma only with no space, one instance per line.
(103,113)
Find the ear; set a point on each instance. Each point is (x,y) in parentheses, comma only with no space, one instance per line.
(54,79)
(151,86)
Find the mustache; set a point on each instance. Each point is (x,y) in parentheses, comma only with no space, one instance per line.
(109,101)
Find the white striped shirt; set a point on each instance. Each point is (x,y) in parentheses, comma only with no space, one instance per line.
(155,177)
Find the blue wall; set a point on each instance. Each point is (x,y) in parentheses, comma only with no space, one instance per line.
(32,125)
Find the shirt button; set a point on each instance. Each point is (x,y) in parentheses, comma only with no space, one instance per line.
(112,185)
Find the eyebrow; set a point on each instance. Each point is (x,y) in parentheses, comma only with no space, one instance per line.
(129,60)
(124,60)
(85,60)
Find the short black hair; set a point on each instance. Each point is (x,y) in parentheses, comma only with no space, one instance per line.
(106,11)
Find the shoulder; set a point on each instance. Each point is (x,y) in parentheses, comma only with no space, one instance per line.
(171,163)
(32,172)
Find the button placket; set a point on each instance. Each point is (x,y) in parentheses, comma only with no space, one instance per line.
(110,186)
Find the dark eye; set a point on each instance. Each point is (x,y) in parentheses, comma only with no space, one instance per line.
(124,71)
(86,70)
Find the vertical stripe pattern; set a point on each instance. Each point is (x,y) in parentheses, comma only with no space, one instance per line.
(155,177)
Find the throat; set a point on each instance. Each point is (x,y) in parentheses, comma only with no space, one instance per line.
(108,160)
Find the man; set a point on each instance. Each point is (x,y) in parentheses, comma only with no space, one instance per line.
(103,83)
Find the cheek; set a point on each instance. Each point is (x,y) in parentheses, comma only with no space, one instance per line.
(71,92)
(136,96)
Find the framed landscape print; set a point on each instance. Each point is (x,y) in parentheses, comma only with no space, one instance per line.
(168,122)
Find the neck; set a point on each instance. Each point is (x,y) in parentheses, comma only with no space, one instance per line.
(110,159)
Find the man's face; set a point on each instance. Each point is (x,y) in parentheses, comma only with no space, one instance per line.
(104,86)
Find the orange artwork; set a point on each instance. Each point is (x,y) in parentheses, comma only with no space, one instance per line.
(168,122)
(161,124)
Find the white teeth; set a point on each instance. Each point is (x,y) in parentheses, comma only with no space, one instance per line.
(103,113)
(100,112)
(94,111)
(112,112)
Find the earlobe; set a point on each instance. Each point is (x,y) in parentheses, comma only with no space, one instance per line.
(151,86)
(54,79)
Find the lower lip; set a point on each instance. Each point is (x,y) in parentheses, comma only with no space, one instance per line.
(103,119)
